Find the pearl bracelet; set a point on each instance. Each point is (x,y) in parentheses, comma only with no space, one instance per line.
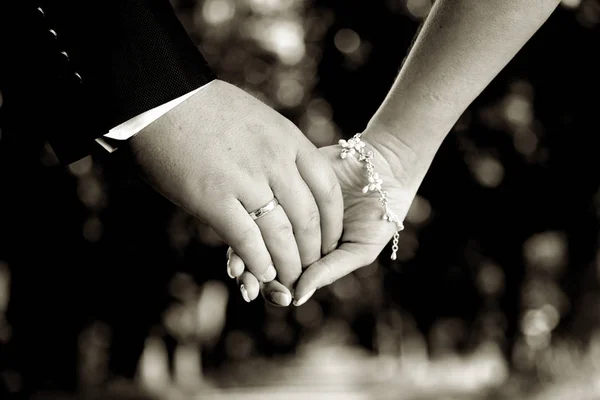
(356,146)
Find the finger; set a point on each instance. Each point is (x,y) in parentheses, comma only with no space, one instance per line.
(235,265)
(249,286)
(302,211)
(276,293)
(278,235)
(322,182)
(335,265)
(232,222)
(273,292)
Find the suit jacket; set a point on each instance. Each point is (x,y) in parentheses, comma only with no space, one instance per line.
(70,70)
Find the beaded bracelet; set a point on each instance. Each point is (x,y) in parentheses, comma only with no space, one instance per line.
(356,146)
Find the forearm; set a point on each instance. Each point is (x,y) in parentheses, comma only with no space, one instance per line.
(462,46)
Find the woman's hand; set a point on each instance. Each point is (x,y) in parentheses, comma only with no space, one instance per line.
(365,232)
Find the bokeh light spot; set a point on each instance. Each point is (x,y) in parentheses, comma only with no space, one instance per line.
(418,8)
(216,12)
(347,41)
(490,279)
(92,229)
(420,211)
(239,345)
(546,251)
(488,171)
(570,3)
(518,110)
(81,167)
(290,93)
(284,37)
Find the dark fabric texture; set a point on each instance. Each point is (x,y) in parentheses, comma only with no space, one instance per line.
(72,72)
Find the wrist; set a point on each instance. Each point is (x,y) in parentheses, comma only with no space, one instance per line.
(407,162)
(412,122)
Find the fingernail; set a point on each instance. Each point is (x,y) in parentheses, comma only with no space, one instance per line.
(270,274)
(229,251)
(229,270)
(244,293)
(281,298)
(304,299)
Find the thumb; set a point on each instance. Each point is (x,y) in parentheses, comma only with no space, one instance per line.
(329,269)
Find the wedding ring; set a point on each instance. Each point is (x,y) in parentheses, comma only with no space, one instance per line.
(264,210)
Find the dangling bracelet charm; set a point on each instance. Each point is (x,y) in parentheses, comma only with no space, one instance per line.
(356,147)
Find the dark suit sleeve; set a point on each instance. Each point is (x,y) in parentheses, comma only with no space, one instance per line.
(100,63)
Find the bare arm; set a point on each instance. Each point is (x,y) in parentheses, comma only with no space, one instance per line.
(462,46)
(460,49)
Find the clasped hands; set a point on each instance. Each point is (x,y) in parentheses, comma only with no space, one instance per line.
(222,154)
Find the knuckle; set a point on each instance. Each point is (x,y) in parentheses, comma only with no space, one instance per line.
(214,181)
(276,159)
(306,155)
(313,222)
(271,151)
(284,232)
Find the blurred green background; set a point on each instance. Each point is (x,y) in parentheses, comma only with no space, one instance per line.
(108,288)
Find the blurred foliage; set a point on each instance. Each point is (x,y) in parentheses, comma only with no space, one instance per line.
(495,292)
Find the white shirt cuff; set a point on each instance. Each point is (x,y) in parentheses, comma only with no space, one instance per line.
(131,127)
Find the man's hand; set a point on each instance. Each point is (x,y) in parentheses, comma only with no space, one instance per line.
(222,154)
